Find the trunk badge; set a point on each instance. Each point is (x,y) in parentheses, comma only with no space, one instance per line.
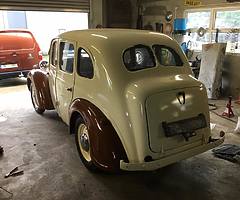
(181,98)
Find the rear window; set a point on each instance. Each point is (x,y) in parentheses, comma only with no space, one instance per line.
(138,57)
(166,56)
(16,41)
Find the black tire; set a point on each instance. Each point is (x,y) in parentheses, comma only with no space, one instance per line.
(35,101)
(85,156)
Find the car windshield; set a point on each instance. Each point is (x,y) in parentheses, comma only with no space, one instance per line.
(15,41)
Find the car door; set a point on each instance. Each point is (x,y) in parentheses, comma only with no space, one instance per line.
(65,78)
(53,64)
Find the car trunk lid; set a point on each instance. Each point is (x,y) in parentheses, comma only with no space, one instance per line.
(175,117)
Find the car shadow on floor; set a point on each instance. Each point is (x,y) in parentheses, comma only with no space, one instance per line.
(12,82)
(171,182)
(51,115)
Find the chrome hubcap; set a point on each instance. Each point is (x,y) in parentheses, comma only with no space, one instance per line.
(84,142)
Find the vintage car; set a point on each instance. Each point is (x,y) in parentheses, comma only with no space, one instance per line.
(128,95)
(19,52)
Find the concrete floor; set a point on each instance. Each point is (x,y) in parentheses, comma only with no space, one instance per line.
(53,171)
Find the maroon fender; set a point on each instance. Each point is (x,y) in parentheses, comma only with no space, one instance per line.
(107,149)
(39,78)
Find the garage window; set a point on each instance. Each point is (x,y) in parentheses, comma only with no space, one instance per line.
(138,57)
(227,20)
(66,57)
(85,64)
(194,16)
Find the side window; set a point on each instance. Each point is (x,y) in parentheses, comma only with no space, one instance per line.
(54,54)
(85,64)
(167,56)
(66,57)
(138,57)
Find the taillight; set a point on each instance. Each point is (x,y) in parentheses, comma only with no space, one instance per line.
(40,56)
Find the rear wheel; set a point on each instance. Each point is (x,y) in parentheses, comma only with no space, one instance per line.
(35,101)
(84,145)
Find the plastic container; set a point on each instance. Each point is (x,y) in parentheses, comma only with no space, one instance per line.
(180,26)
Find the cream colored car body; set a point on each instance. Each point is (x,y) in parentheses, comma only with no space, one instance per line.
(136,103)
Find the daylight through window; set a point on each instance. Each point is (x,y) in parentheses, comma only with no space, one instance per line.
(227,20)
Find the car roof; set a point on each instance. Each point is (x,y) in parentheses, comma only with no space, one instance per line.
(116,36)
(110,43)
(15,30)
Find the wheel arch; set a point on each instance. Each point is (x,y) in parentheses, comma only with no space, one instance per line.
(102,132)
(72,123)
(40,80)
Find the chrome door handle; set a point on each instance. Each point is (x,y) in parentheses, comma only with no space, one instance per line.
(69,89)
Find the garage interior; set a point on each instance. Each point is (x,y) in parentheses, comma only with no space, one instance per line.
(41,146)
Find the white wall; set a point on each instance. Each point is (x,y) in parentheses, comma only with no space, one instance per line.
(47,25)
(1,20)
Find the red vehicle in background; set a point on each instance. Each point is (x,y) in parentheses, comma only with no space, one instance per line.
(19,52)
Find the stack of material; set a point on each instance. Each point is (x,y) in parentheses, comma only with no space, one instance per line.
(228,152)
(211,68)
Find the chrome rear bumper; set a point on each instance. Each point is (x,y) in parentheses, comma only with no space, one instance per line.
(14,74)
